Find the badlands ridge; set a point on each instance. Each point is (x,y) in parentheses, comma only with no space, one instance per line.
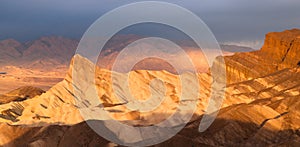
(261,105)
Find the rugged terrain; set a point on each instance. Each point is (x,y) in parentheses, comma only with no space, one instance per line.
(44,62)
(280,51)
(262,111)
(20,94)
(261,106)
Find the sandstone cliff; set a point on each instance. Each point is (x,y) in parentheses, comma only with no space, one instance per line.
(278,52)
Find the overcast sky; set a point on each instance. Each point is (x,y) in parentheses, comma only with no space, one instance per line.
(232,21)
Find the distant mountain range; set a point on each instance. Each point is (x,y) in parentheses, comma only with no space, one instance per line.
(52,52)
(41,53)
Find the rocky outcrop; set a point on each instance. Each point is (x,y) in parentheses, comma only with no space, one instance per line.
(278,52)
(257,112)
(262,111)
(58,104)
(278,44)
(20,94)
(238,125)
(51,135)
(281,84)
(260,123)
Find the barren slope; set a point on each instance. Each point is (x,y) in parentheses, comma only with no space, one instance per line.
(280,50)
(260,111)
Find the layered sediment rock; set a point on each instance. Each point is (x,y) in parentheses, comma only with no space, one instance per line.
(262,111)
(278,52)
(257,112)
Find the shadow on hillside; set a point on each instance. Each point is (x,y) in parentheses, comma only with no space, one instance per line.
(221,133)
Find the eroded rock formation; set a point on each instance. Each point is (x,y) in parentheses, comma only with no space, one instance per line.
(279,51)
(257,112)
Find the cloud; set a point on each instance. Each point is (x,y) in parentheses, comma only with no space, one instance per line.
(230,20)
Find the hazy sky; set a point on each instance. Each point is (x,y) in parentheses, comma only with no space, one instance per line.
(230,20)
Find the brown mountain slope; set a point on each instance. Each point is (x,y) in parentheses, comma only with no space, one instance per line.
(269,121)
(238,125)
(53,136)
(52,51)
(8,51)
(280,51)
(258,112)
(260,123)
(40,63)
(262,111)
(48,51)
(20,94)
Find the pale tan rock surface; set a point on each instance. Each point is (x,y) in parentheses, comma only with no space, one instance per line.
(260,111)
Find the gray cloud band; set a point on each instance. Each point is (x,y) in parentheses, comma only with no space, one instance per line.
(93,41)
